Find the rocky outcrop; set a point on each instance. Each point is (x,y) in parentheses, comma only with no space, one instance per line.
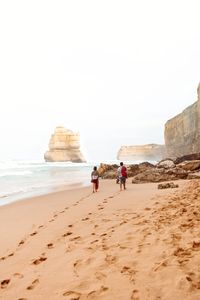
(168,185)
(107,171)
(182,133)
(194,156)
(64,145)
(165,170)
(142,152)
(160,174)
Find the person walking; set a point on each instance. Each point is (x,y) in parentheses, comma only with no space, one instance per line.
(122,173)
(95,179)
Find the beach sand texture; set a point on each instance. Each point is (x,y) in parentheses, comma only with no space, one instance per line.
(139,244)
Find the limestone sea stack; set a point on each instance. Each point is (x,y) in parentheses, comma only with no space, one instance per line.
(182,133)
(142,152)
(64,145)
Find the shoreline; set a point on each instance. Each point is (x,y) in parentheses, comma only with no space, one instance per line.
(74,244)
(19,196)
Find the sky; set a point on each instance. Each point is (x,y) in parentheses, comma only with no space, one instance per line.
(115,71)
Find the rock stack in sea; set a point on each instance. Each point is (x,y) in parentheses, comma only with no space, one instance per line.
(64,145)
(182,133)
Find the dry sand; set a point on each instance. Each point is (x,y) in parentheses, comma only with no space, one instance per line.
(141,243)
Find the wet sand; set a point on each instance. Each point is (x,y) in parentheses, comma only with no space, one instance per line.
(142,243)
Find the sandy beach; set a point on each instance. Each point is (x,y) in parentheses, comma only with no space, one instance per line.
(139,244)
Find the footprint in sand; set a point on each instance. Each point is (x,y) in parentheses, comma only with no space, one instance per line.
(100,275)
(66,208)
(110,259)
(100,208)
(95,241)
(33,233)
(123,222)
(21,243)
(97,293)
(22,299)
(85,219)
(72,295)
(33,284)
(50,246)
(11,254)
(106,220)
(3,258)
(196,245)
(67,234)
(41,226)
(135,295)
(52,220)
(105,247)
(130,272)
(103,234)
(39,260)
(147,208)
(76,238)
(18,275)
(70,225)
(62,211)
(76,266)
(4,283)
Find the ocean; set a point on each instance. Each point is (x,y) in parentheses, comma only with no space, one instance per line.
(24,179)
(21,179)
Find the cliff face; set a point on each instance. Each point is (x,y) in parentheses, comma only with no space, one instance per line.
(64,145)
(182,133)
(142,152)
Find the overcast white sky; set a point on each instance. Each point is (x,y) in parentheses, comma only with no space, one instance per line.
(115,71)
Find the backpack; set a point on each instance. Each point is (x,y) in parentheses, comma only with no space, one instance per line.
(123,171)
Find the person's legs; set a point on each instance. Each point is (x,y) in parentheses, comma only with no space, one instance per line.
(96,185)
(120,183)
(93,185)
(124,183)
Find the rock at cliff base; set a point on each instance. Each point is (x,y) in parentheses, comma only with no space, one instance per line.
(195,175)
(166,163)
(160,174)
(193,156)
(168,185)
(190,165)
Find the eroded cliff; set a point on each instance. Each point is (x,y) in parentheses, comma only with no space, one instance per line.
(64,145)
(182,133)
(142,152)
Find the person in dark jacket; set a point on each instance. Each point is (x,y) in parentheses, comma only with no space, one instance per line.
(95,179)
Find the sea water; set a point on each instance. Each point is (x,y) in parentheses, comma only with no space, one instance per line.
(23,179)
(20,179)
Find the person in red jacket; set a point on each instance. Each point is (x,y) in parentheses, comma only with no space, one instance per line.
(122,173)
